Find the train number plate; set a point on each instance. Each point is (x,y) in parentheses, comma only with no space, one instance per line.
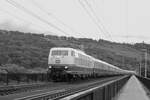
(57,61)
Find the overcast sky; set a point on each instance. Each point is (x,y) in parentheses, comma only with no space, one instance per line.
(114,20)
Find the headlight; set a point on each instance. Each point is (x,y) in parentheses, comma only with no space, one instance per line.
(50,66)
(66,67)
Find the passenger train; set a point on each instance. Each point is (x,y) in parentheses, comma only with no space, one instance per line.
(66,64)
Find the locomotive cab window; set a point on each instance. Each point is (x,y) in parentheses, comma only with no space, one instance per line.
(59,53)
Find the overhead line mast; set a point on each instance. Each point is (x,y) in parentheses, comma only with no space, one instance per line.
(145,53)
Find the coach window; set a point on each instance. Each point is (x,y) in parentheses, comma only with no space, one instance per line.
(72,53)
(79,55)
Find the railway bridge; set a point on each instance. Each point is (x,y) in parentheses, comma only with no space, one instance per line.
(124,87)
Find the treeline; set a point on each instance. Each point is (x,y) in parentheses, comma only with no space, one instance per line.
(30,51)
(27,50)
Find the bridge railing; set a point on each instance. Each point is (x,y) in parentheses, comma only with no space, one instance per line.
(12,78)
(145,81)
(106,91)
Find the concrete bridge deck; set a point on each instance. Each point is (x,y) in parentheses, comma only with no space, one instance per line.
(133,90)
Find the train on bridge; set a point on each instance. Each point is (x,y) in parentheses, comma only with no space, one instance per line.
(66,64)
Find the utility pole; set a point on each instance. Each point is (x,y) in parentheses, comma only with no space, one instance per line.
(145,64)
(140,70)
(145,54)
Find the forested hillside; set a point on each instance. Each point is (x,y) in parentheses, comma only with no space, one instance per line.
(30,50)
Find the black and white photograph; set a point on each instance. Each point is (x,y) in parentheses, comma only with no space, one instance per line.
(74,50)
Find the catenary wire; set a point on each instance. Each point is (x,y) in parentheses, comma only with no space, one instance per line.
(93,19)
(56,18)
(15,4)
(97,18)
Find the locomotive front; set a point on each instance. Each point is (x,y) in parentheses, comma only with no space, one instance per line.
(59,61)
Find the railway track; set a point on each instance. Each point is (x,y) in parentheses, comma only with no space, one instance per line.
(22,88)
(14,89)
(67,91)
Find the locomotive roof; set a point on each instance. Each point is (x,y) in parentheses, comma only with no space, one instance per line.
(63,48)
(68,48)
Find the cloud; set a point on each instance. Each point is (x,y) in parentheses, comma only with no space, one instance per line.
(16,26)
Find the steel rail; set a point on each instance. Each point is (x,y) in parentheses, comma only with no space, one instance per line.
(70,91)
(21,88)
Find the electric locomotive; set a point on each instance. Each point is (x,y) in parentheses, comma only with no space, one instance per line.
(68,63)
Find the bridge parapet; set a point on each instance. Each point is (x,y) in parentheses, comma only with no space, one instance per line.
(146,82)
(106,91)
